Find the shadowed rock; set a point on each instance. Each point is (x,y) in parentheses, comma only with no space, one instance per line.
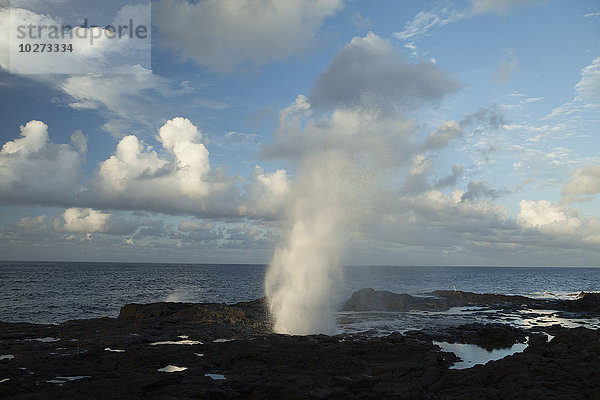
(382,300)
(252,313)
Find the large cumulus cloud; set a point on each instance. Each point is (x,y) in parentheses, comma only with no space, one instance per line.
(176,178)
(370,72)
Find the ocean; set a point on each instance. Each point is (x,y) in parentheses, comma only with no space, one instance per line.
(54,292)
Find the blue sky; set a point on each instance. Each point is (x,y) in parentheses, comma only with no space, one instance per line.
(468,129)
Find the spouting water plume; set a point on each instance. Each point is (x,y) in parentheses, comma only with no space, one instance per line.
(344,156)
(337,178)
(304,270)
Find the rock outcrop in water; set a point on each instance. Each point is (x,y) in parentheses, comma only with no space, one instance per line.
(441,300)
(382,300)
(219,351)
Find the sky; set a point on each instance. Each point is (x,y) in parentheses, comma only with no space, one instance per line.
(474,127)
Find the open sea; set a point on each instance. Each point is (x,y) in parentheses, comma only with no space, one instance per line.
(54,292)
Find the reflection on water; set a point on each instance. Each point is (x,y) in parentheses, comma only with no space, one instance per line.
(540,318)
(472,355)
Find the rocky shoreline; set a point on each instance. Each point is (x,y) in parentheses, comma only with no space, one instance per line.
(219,351)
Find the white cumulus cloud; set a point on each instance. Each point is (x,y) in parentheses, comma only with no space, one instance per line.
(559,225)
(34,170)
(181,138)
(82,220)
(137,177)
(539,214)
(266,193)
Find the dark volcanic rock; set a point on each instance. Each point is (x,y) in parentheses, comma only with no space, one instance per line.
(382,300)
(120,358)
(487,336)
(123,357)
(568,367)
(458,298)
(252,313)
(588,302)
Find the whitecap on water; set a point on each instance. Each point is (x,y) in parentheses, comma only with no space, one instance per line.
(6,357)
(172,368)
(222,340)
(4,380)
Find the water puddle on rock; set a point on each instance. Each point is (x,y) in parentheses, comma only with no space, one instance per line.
(178,342)
(114,350)
(472,354)
(531,318)
(43,340)
(382,323)
(59,380)
(216,377)
(172,368)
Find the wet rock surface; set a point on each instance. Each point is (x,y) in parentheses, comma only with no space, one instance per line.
(220,351)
